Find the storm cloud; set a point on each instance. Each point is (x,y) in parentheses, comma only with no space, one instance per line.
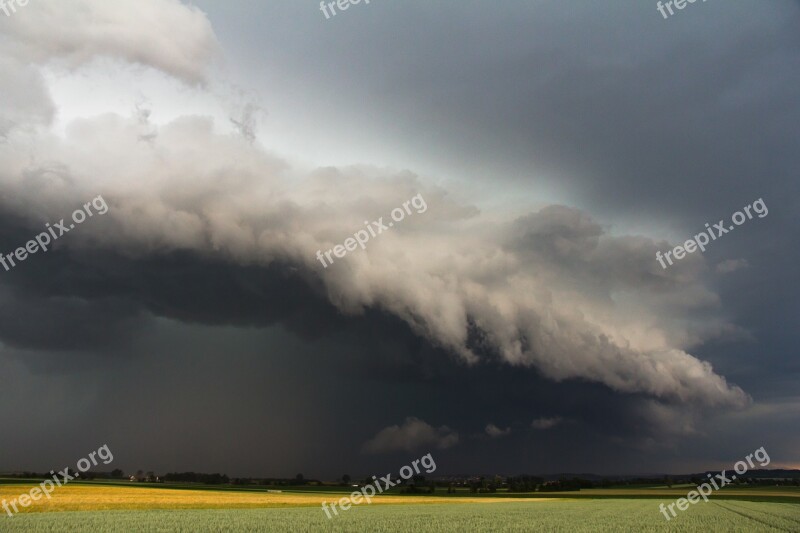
(215,229)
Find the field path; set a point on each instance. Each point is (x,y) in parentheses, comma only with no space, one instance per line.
(772,521)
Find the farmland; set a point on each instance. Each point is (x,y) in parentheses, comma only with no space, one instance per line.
(562,515)
(99,497)
(117,507)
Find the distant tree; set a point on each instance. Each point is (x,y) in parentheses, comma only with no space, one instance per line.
(346,479)
(193,477)
(117,474)
(524,483)
(299,479)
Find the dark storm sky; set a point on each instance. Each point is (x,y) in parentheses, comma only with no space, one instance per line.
(520,324)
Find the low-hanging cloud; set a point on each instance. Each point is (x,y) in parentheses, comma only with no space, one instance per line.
(546,422)
(551,289)
(413,434)
(496,432)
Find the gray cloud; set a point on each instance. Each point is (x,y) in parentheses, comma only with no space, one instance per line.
(544,298)
(520,298)
(546,423)
(495,432)
(414,434)
(731,265)
(163,34)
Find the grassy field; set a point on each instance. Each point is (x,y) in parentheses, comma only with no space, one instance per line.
(562,515)
(125,507)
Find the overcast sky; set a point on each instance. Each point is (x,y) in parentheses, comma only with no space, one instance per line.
(515,321)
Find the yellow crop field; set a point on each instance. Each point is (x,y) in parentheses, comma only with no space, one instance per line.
(109,497)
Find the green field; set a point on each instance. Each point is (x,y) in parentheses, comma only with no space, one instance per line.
(121,506)
(564,515)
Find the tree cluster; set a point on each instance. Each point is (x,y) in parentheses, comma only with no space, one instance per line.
(194,477)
